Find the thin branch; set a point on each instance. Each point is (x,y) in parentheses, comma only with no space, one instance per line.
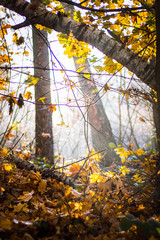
(79,5)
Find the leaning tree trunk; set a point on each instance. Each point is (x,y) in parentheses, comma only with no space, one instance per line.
(43,122)
(99,123)
(101,131)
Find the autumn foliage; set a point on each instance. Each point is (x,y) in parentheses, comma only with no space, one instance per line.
(80,199)
(34,207)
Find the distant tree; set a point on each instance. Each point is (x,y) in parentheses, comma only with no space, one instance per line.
(101,132)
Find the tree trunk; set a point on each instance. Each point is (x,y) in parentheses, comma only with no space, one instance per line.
(100,126)
(156,194)
(44,143)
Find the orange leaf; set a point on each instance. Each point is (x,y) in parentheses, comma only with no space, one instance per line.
(74,169)
(52,107)
(9,135)
(27,95)
(127,95)
(141,119)
(133,18)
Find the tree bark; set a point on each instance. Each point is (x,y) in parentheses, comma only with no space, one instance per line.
(156,194)
(109,46)
(43,123)
(99,123)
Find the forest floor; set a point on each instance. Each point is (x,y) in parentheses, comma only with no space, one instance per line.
(80,202)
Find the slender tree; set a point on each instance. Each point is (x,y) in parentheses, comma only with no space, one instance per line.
(43,122)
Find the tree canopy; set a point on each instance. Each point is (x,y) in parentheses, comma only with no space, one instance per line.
(122,32)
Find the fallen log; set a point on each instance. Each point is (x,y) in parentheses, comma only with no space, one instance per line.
(45,172)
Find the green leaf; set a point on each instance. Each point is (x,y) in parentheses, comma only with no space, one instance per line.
(158,230)
(112,145)
(126,224)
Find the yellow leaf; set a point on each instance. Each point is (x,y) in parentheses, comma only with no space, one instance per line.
(124,170)
(140,152)
(94,178)
(87,75)
(26,53)
(71,86)
(12,94)
(123,160)
(40,27)
(2,189)
(7,167)
(94,91)
(78,206)
(3,153)
(131,74)
(141,207)
(42,186)
(42,99)
(32,80)
(27,95)
(61,124)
